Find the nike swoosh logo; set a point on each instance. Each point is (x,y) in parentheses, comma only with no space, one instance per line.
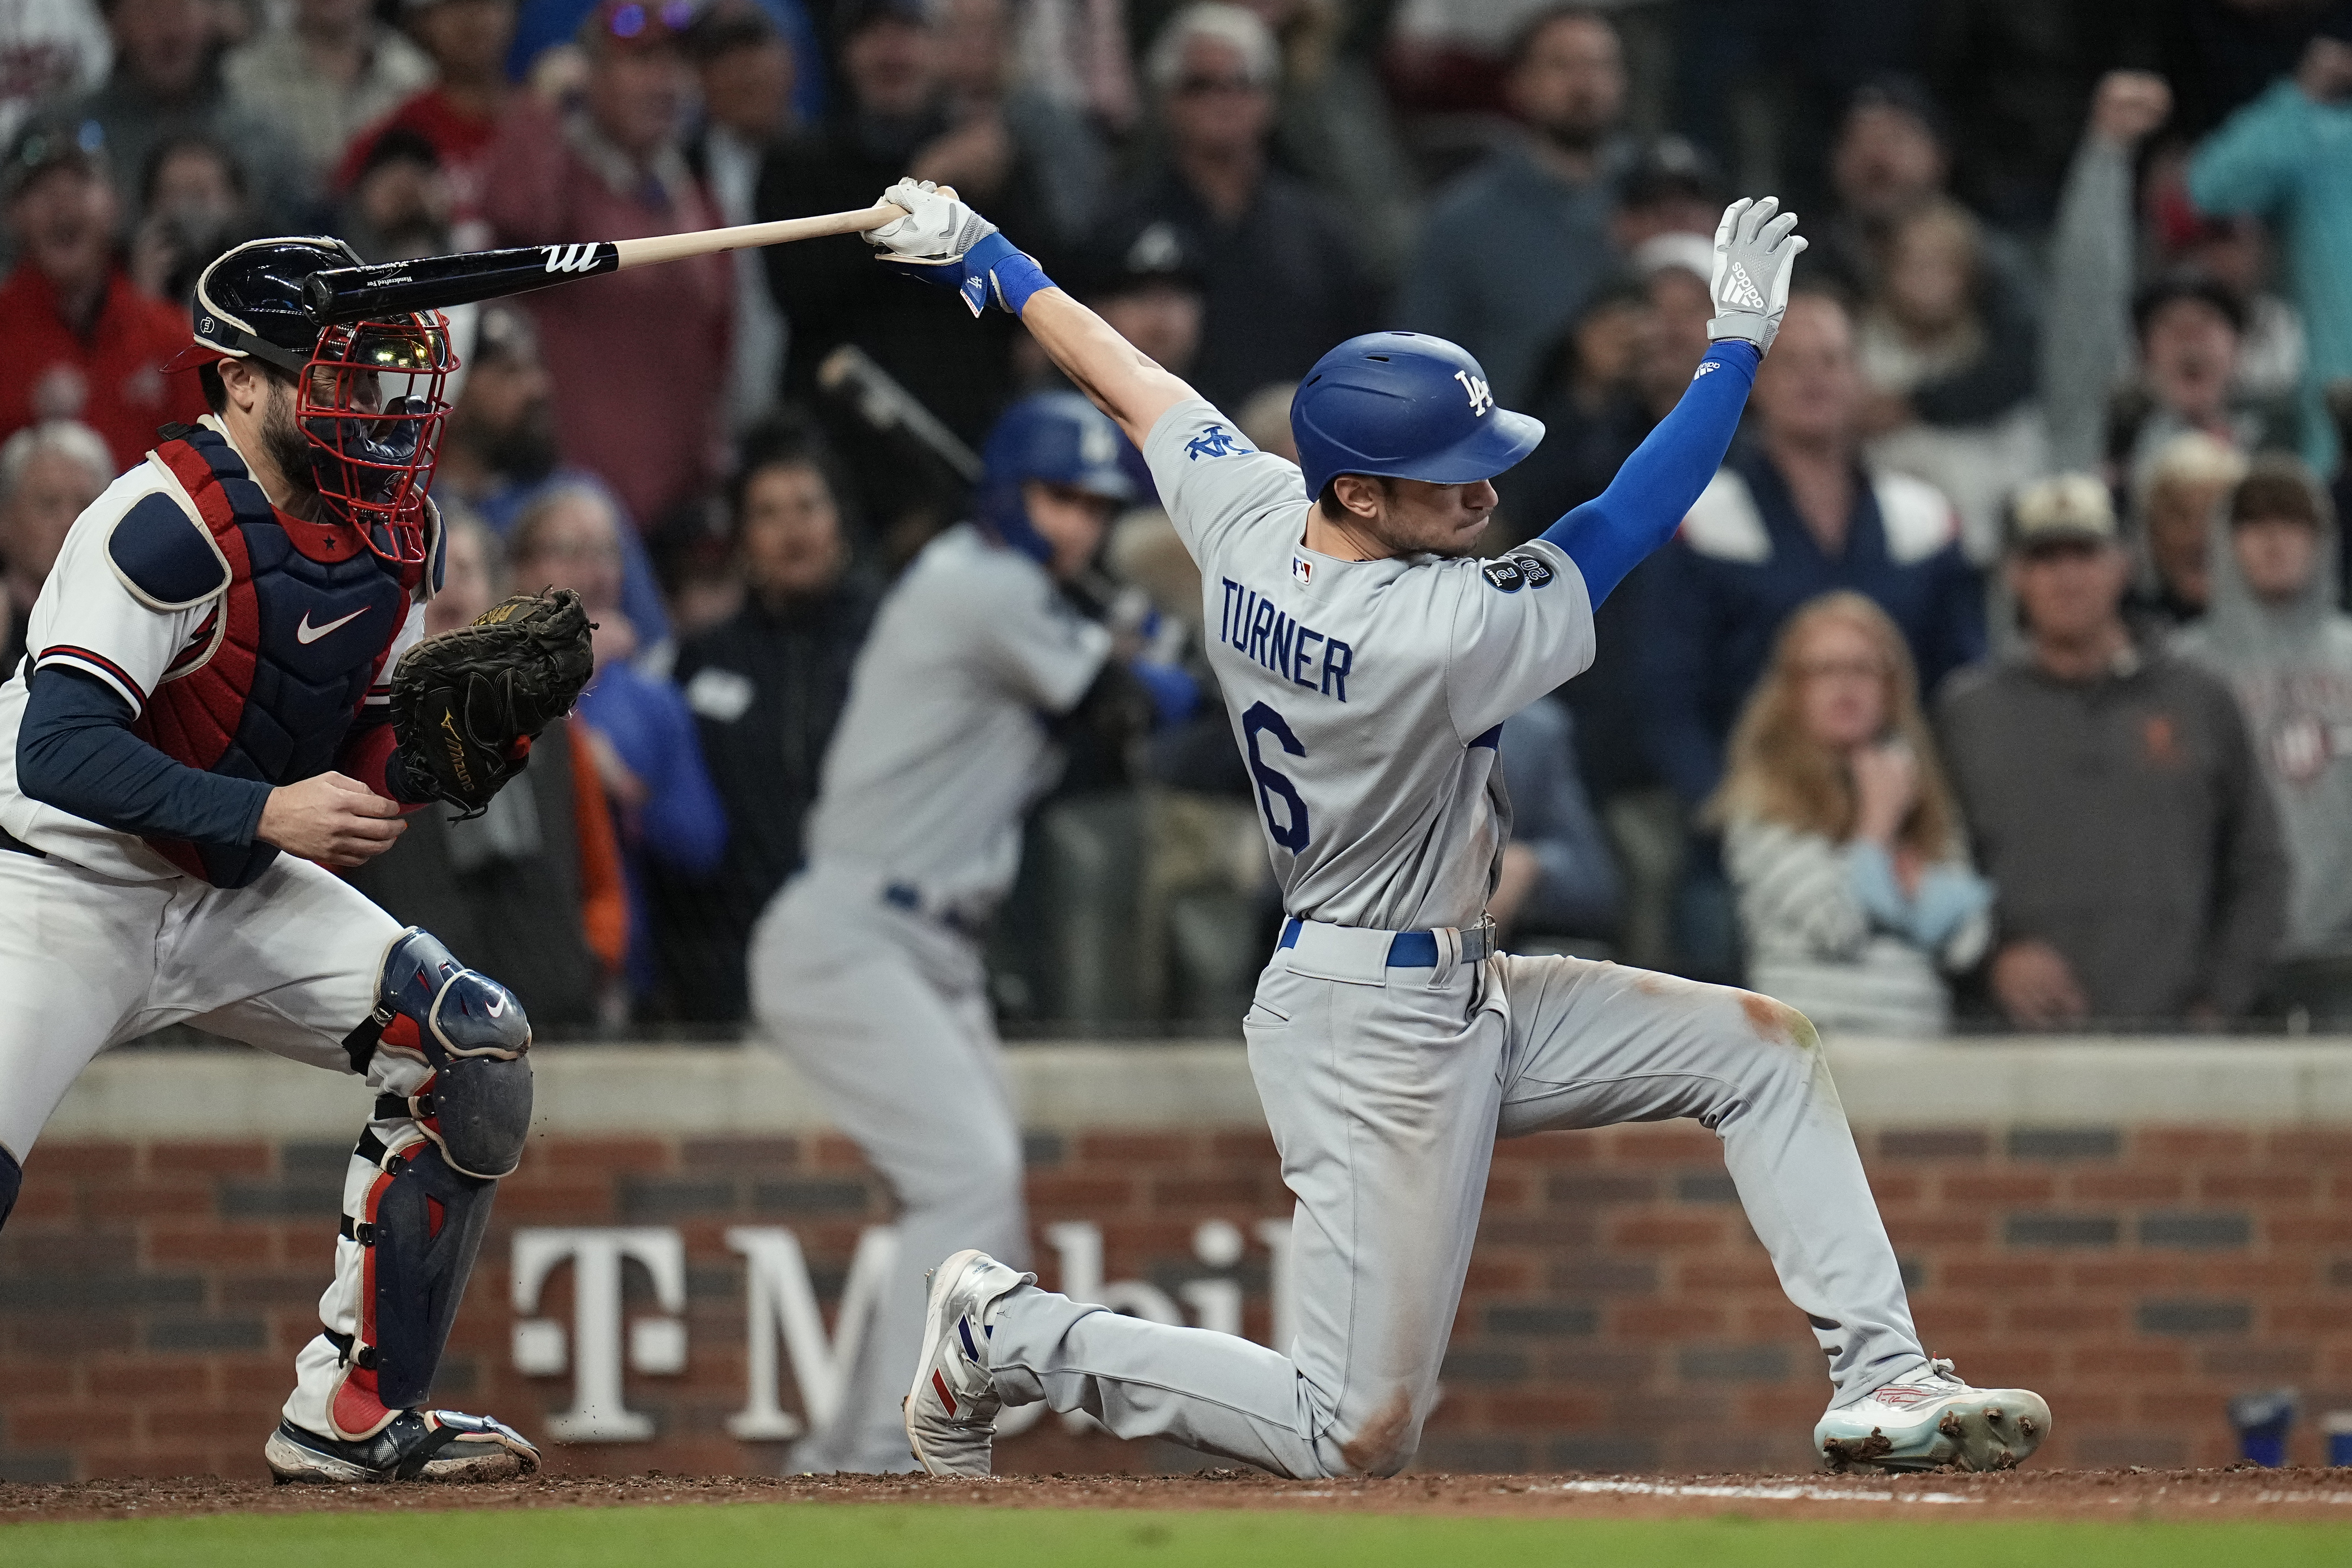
(495,1006)
(307,634)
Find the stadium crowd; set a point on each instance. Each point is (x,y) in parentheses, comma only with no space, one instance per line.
(2001,679)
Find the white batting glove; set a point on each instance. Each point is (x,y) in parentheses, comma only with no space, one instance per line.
(1755,253)
(938,226)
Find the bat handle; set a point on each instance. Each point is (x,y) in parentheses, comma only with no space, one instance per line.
(709,241)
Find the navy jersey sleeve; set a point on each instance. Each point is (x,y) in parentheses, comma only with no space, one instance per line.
(75,750)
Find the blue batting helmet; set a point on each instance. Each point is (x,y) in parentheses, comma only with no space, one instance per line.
(1059,437)
(1404,405)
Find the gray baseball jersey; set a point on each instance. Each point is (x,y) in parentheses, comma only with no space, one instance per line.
(1366,695)
(944,743)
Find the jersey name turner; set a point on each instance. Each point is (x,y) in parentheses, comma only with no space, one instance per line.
(1297,652)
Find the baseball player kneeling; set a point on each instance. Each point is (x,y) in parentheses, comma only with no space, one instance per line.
(225,693)
(1369,659)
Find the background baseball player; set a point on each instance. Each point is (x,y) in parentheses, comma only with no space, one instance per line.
(866,967)
(206,710)
(1369,662)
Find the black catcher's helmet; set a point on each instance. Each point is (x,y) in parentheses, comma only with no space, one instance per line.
(372,446)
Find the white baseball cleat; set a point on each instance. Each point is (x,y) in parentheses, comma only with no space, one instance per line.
(1931,1420)
(951,1410)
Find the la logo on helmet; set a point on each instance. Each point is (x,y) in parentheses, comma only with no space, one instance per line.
(1481,399)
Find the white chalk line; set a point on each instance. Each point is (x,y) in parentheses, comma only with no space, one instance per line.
(1751,1493)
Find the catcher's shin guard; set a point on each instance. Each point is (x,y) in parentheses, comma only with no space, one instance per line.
(400,1272)
(471,1031)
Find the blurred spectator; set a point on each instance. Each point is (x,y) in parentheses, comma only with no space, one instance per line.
(1557,876)
(766,688)
(1333,126)
(49,474)
(1002,130)
(1075,52)
(1549,190)
(2273,631)
(325,70)
(2115,798)
(1855,893)
(1892,157)
(1150,290)
(637,361)
(1675,188)
(1928,324)
(2178,492)
(545,29)
(1794,515)
(1283,275)
(166,84)
(1594,417)
(399,206)
(747,84)
(638,729)
(2086,346)
(829,290)
(55,51)
(196,207)
(2284,157)
(78,341)
(459,114)
(499,454)
(532,887)
(2190,329)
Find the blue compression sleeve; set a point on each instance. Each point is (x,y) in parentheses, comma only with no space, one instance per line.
(75,750)
(1615,531)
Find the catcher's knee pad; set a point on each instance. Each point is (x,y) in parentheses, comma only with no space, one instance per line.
(471,1031)
(419,1229)
(12,1181)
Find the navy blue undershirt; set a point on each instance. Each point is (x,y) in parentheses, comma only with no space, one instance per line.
(1617,530)
(75,750)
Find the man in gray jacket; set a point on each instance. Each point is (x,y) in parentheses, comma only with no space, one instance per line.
(2114,797)
(2273,631)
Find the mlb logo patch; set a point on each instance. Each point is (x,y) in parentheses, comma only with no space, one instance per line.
(1302,571)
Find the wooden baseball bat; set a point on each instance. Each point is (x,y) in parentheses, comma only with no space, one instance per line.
(391,288)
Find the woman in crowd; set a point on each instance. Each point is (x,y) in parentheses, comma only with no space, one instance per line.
(1842,842)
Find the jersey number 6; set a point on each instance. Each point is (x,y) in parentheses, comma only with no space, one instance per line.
(1290,833)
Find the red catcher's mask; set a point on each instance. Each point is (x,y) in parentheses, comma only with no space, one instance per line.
(370,401)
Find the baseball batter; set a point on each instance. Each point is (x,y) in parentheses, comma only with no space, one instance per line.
(867,968)
(1369,660)
(203,715)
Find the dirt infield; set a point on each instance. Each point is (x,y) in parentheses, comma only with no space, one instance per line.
(2239,1493)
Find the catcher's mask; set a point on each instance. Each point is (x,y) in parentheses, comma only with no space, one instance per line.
(369,403)
(368,395)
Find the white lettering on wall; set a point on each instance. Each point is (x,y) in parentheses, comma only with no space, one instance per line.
(781,1311)
(781,1306)
(656,1345)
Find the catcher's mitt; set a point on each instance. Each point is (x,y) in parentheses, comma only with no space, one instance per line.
(466,703)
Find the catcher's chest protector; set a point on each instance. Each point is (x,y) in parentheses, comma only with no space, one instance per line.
(270,681)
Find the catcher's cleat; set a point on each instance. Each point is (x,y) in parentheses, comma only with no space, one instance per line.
(1932,1420)
(419,1445)
(951,1410)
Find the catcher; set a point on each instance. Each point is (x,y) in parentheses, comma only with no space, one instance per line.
(225,693)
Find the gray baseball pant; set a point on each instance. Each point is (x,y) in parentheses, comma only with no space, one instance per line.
(1385,1090)
(886,1014)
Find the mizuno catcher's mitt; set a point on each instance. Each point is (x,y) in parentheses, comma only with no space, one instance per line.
(466,703)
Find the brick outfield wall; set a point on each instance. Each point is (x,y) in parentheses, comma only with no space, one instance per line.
(1619,1314)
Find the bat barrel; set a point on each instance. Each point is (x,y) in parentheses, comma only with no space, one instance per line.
(435,282)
